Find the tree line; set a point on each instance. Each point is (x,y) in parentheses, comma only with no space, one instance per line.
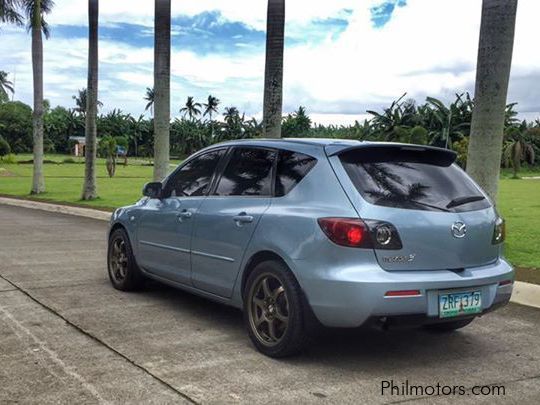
(205,123)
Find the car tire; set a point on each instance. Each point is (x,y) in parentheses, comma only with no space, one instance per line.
(123,271)
(274,314)
(448,326)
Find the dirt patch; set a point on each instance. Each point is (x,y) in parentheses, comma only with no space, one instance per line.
(6,173)
(529,275)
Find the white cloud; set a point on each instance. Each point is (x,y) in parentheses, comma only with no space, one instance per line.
(251,12)
(429,47)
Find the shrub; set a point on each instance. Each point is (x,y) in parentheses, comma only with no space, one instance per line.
(107,147)
(16,119)
(69,160)
(419,135)
(5,149)
(10,159)
(461,148)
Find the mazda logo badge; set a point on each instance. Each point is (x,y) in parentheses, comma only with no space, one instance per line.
(459,229)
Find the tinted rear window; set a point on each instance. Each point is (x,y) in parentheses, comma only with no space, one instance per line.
(410,181)
(292,167)
(248,173)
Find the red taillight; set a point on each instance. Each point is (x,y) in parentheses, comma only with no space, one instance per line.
(346,231)
(355,235)
(403,293)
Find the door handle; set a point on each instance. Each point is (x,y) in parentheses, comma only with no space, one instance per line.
(184,215)
(242,218)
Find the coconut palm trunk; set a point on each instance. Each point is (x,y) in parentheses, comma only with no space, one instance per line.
(162,79)
(273,74)
(89,191)
(38,180)
(492,76)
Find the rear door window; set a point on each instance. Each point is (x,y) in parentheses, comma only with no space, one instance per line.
(193,179)
(248,173)
(411,180)
(292,167)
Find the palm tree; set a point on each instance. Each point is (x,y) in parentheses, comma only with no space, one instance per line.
(517,148)
(89,191)
(9,12)
(191,109)
(252,128)
(35,9)
(492,75)
(273,74)
(395,121)
(150,98)
(449,120)
(211,106)
(138,126)
(81,101)
(5,86)
(162,87)
(231,115)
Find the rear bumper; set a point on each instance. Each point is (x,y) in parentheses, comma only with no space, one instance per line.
(349,297)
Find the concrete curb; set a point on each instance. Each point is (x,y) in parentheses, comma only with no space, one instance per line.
(524,293)
(62,209)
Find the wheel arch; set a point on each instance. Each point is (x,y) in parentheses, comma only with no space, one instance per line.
(310,319)
(254,260)
(116,226)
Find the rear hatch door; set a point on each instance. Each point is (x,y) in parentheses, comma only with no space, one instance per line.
(443,218)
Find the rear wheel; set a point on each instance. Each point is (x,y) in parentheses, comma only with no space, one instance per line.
(124,273)
(274,310)
(448,326)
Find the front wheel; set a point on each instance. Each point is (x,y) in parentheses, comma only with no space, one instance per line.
(273,310)
(124,273)
(448,326)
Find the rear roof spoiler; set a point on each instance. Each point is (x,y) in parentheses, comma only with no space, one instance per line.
(390,151)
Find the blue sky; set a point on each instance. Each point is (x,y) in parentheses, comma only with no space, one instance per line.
(205,33)
(341,58)
(381,12)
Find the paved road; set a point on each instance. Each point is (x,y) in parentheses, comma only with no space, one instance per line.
(67,336)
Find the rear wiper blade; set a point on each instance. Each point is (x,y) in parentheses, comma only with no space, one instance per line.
(430,205)
(464,200)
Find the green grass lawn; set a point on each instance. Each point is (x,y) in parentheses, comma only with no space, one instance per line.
(519,204)
(519,200)
(64,181)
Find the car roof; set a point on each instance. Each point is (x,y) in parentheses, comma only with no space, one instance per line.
(285,141)
(326,146)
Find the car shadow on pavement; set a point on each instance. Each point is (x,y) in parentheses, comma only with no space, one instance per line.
(334,346)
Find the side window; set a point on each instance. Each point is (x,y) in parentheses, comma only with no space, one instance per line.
(292,167)
(249,173)
(193,179)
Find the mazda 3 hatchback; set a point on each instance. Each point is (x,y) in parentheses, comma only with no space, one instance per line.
(340,232)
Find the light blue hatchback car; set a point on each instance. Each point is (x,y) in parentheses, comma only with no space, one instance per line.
(334,231)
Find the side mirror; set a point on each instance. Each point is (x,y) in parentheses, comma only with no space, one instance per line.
(153,190)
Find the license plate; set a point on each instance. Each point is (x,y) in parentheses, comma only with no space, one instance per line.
(462,303)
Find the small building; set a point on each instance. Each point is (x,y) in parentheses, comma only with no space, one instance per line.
(79,143)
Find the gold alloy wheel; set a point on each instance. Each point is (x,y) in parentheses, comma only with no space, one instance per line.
(118,262)
(268,309)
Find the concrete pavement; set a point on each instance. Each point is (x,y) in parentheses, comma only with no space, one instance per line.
(67,336)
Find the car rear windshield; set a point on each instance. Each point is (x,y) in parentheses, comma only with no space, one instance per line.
(421,180)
